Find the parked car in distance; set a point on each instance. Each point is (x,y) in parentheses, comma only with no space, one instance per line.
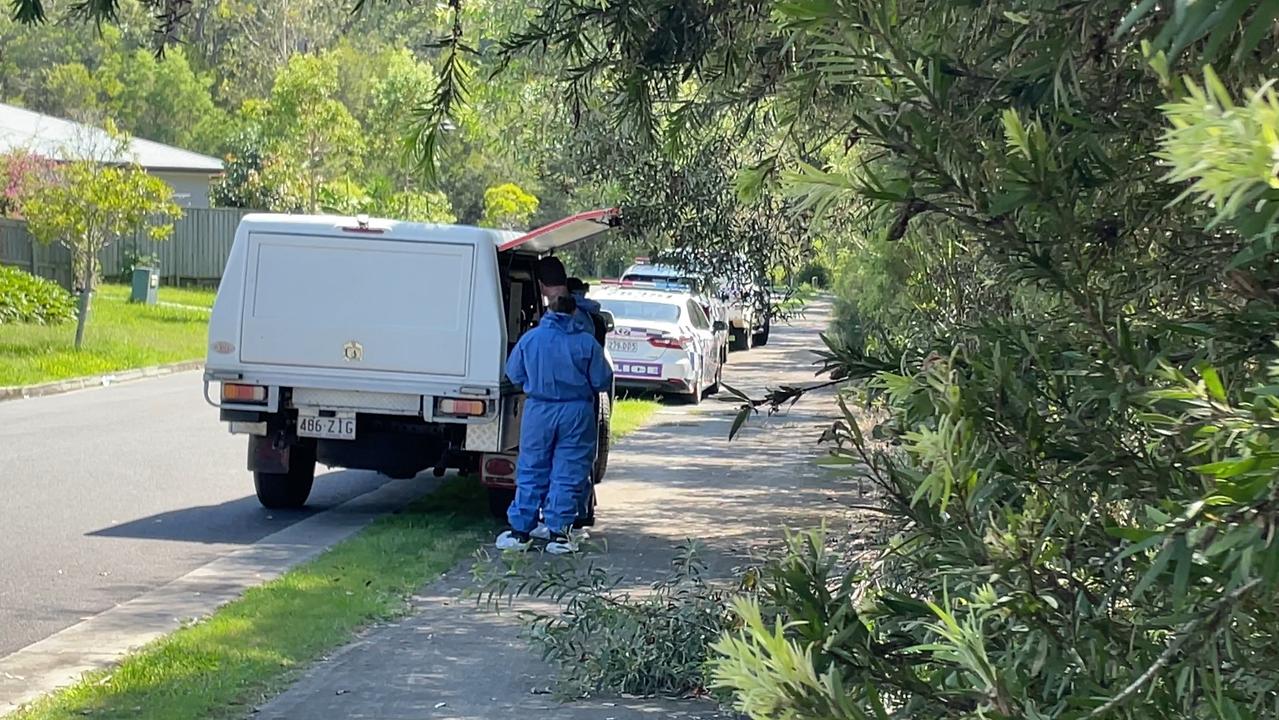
(662,340)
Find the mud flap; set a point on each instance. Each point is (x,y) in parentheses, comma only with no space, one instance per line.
(265,457)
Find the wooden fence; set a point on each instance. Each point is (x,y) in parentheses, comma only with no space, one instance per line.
(18,248)
(196,251)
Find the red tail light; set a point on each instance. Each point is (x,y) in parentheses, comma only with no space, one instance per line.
(461,408)
(500,467)
(234,393)
(671,343)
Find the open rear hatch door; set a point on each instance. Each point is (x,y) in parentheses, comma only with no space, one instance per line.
(362,303)
(564,233)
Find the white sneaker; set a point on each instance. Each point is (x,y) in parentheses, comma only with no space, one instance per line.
(512,540)
(541,532)
(561,545)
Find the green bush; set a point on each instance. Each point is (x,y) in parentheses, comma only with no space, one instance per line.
(25,298)
(133,259)
(815,274)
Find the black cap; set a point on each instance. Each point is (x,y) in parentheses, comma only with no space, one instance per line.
(551,272)
(576,285)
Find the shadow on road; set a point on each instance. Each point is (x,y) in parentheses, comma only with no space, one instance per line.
(243,521)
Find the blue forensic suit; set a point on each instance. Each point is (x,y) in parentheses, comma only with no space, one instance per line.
(562,370)
(585,308)
(583,318)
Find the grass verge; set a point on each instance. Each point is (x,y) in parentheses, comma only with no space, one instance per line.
(630,414)
(120,336)
(249,649)
(222,666)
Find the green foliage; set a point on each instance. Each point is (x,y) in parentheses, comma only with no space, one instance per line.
(252,177)
(25,298)
(73,91)
(134,260)
(429,207)
(403,84)
(309,129)
(606,640)
(1071,366)
(507,206)
(92,206)
(123,336)
(817,274)
(385,65)
(332,138)
(683,207)
(160,99)
(1228,151)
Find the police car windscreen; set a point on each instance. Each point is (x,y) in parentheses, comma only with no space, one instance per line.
(639,310)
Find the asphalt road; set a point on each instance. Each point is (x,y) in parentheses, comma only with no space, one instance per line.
(109,493)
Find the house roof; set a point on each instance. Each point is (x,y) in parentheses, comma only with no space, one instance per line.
(64,140)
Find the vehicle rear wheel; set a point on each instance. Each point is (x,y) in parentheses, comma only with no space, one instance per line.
(287,490)
(740,340)
(604,439)
(500,500)
(761,337)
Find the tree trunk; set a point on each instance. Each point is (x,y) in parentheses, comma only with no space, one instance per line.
(83,316)
(86,299)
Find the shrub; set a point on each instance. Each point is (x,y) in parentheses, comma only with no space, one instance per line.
(134,259)
(25,298)
(814,273)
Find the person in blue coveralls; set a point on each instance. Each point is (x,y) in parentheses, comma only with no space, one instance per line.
(588,314)
(587,309)
(562,370)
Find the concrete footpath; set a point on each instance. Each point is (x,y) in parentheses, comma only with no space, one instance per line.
(679,478)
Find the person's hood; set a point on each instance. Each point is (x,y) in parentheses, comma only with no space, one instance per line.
(585,303)
(560,322)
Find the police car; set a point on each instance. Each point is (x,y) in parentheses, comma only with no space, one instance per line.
(669,277)
(662,339)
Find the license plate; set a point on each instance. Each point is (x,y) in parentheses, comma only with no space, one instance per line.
(340,426)
(623,346)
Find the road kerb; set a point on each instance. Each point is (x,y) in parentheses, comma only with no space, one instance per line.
(23,392)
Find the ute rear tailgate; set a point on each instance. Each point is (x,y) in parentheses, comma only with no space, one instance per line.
(361,303)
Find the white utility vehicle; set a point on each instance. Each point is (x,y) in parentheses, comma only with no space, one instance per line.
(379,345)
(663,340)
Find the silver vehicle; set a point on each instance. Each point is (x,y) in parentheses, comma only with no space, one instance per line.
(748,316)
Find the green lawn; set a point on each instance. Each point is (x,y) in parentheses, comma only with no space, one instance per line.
(198,297)
(250,648)
(629,414)
(119,336)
